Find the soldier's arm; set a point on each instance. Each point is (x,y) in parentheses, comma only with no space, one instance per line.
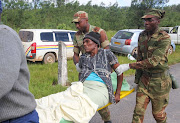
(139,54)
(138,72)
(75,58)
(104,39)
(157,55)
(76,51)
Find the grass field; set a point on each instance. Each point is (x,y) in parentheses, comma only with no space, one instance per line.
(44,77)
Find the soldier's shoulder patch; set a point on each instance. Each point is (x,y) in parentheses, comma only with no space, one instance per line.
(96,29)
(143,33)
(163,32)
(164,35)
(78,33)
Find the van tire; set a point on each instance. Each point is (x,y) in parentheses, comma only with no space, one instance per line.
(49,58)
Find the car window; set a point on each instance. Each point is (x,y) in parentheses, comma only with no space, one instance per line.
(46,36)
(72,35)
(62,36)
(174,30)
(26,36)
(123,35)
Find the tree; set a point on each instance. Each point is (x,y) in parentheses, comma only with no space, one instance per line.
(60,3)
(138,8)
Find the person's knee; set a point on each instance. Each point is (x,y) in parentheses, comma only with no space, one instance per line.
(158,111)
(139,112)
(137,118)
(105,114)
(160,117)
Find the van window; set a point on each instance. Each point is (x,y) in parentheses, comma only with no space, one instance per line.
(72,35)
(26,36)
(46,36)
(62,36)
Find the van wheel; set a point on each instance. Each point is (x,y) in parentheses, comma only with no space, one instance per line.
(49,58)
(134,52)
(170,50)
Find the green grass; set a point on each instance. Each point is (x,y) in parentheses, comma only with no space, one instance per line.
(175,57)
(44,77)
(110,34)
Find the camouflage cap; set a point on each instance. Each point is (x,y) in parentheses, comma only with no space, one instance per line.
(154,13)
(79,15)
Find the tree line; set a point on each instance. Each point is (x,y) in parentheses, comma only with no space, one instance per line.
(45,15)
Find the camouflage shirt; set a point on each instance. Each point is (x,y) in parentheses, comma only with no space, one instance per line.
(152,53)
(78,39)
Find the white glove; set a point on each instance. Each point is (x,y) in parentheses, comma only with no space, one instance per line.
(78,68)
(122,68)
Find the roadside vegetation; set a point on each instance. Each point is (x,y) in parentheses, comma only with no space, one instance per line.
(44,15)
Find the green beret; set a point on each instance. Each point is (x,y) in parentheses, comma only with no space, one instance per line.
(154,13)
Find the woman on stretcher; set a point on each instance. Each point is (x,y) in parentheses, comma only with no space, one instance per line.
(94,89)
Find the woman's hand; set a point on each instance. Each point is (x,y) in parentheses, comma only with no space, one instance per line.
(117,97)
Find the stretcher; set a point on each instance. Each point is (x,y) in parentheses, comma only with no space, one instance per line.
(122,95)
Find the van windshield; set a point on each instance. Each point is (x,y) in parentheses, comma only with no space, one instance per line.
(26,36)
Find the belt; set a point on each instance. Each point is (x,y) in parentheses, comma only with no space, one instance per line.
(156,74)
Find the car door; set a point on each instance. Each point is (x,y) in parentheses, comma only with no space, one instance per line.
(174,34)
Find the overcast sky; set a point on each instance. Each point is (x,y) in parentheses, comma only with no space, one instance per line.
(120,2)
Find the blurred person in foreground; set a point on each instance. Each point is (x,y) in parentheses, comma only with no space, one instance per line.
(17,104)
(152,70)
(80,19)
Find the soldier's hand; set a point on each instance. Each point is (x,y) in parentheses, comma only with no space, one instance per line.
(122,68)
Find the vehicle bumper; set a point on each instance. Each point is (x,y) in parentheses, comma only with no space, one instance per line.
(32,56)
(126,49)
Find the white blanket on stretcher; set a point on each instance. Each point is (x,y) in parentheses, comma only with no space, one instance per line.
(71,105)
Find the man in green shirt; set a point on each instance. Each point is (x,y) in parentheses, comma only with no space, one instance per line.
(80,20)
(152,70)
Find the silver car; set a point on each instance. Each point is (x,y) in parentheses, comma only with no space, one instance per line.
(126,42)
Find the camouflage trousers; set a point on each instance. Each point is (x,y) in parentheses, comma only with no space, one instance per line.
(105,114)
(157,91)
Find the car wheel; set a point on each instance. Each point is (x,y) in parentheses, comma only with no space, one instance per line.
(134,52)
(170,51)
(49,58)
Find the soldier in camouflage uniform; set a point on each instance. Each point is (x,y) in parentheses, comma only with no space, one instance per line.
(152,75)
(80,20)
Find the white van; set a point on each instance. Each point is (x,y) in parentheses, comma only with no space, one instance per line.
(42,44)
